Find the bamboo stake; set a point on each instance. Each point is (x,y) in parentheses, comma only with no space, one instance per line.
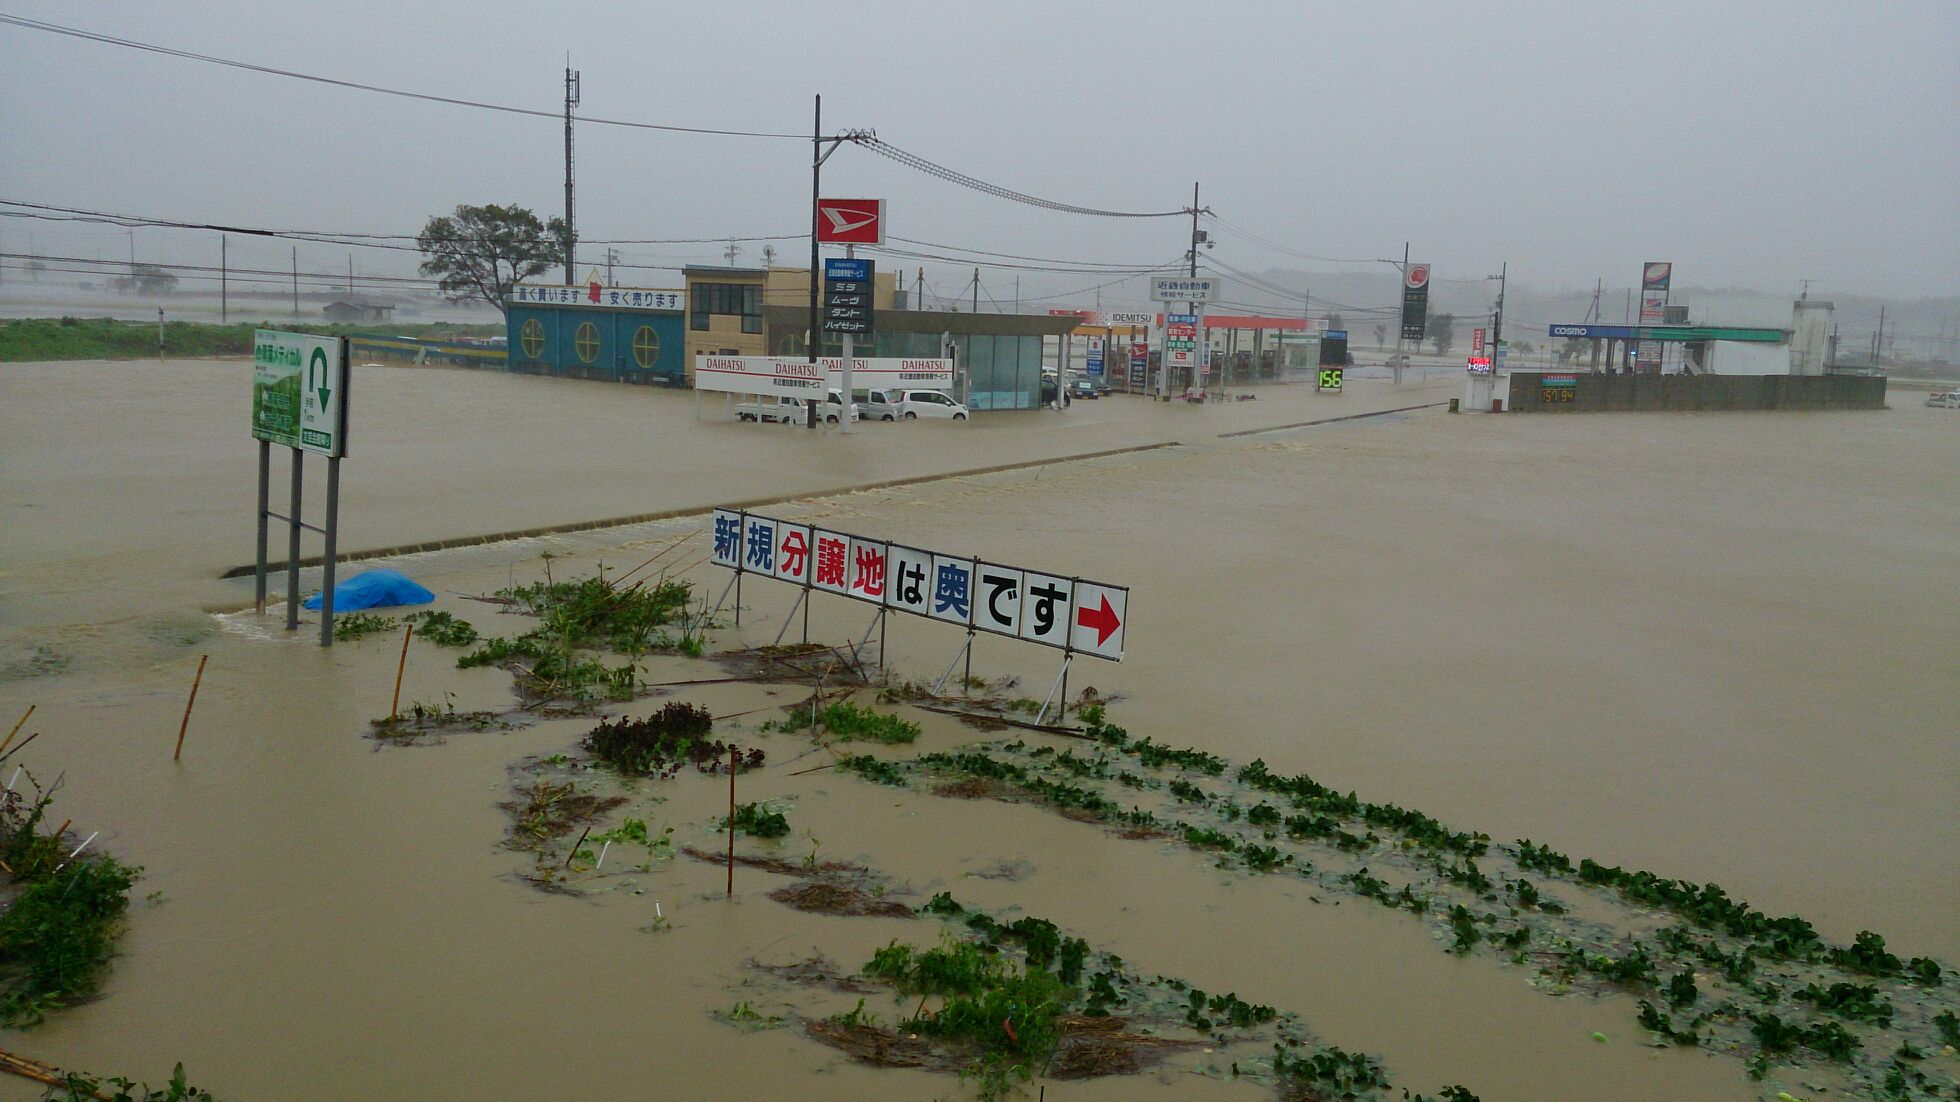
(732,754)
(185,725)
(17,727)
(395,707)
(18,749)
(40,1073)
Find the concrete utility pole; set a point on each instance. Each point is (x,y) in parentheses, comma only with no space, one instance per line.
(1497,318)
(1401,287)
(612,257)
(296,281)
(571,231)
(731,252)
(976,290)
(224,279)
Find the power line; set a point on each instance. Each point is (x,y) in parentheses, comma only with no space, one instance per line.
(912,160)
(111,40)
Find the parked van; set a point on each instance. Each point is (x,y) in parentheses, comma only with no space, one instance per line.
(910,405)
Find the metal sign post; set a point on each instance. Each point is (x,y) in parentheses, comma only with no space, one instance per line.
(300,398)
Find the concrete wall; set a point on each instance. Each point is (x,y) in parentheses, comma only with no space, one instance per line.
(1645,393)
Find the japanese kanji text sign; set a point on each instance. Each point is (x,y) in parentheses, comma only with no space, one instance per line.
(1070,614)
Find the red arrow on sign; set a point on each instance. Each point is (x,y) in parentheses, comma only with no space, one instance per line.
(1102,620)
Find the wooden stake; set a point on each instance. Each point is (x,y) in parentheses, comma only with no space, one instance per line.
(395,708)
(195,681)
(17,727)
(576,845)
(732,756)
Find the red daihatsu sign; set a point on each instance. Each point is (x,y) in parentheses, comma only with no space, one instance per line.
(851,221)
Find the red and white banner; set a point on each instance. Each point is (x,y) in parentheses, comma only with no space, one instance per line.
(799,378)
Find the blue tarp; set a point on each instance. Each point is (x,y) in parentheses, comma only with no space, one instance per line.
(374,589)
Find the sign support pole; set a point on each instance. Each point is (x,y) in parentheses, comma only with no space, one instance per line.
(292,544)
(265,503)
(965,646)
(845,409)
(326,561)
(877,623)
(1060,680)
(784,630)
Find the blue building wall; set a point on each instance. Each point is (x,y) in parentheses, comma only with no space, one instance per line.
(639,346)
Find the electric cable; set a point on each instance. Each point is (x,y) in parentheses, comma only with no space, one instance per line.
(127,43)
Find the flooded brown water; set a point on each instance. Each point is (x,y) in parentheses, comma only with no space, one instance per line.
(1718,647)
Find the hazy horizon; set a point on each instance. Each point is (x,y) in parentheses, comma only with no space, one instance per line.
(1752,145)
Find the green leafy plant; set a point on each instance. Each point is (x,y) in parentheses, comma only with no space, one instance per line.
(758,821)
(356,625)
(76,1087)
(442,628)
(846,722)
(875,770)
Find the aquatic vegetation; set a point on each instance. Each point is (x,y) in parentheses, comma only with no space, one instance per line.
(1657,1022)
(357,625)
(1328,1073)
(1829,1040)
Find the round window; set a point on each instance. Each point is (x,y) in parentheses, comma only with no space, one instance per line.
(585,342)
(531,338)
(646,347)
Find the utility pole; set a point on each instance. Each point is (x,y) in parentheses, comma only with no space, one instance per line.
(350,273)
(816,200)
(976,290)
(731,252)
(224,279)
(612,257)
(1497,320)
(1202,352)
(571,231)
(919,289)
(1401,289)
(296,281)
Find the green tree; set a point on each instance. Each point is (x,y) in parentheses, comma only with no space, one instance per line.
(1442,331)
(1335,321)
(145,279)
(482,252)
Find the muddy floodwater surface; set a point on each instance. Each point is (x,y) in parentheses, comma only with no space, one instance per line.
(1718,647)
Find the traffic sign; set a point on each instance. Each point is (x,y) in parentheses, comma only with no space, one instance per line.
(851,221)
(1101,613)
(299,391)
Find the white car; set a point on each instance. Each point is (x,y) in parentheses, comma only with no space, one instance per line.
(910,405)
(1946,399)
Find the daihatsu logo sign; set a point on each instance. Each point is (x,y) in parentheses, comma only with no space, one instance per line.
(851,221)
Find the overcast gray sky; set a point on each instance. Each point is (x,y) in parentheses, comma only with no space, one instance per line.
(1752,143)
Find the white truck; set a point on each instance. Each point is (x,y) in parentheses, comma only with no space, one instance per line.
(789,411)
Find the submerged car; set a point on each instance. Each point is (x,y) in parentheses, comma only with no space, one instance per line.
(1081,388)
(1945,399)
(910,405)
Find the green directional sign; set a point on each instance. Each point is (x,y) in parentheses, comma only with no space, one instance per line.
(299,391)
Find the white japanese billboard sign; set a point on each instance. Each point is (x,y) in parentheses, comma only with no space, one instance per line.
(791,377)
(1070,614)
